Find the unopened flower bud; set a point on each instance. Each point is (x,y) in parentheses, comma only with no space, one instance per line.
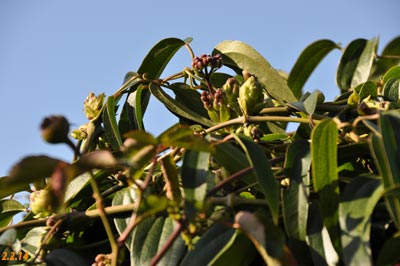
(251,96)
(93,104)
(80,133)
(55,129)
(40,203)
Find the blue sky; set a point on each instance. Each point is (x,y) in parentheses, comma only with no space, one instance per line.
(53,53)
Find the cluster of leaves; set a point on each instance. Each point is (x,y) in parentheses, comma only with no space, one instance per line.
(229,184)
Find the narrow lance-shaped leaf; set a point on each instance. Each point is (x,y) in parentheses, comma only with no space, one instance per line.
(266,178)
(325,176)
(110,124)
(307,62)
(194,173)
(355,209)
(240,55)
(295,199)
(178,108)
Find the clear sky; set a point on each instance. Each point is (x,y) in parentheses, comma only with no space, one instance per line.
(53,53)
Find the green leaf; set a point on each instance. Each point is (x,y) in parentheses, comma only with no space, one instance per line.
(389,254)
(184,137)
(238,251)
(110,124)
(138,107)
(355,209)
(178,108)
(233,160)
(64,257)
(325,177)
(8,237)
(356,63)
(209,246)
(367,89)
(9,208)
(265,177)
(295,198)
(30,169)
(123,197)
(308,60)
(385,151)
(189,98)
(237,54)
(194,177)
(390,57)
(391,90)
(76,185)
(394,72)
(318,240)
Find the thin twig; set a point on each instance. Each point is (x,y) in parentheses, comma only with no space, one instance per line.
(229,180)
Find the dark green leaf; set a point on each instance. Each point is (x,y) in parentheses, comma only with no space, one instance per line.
(8,208)
(390,57)
(218,79)
(209,245)
(265,177)
(356,62)
(391,90)
(189,98)
(138,107)
(389,254)
(178,108)
(355,210)
(308,60)
(238,251)
(296,197)
(325,177)
(239,55)
(367,89)
(184,137)
(194,177)
(110,124)
(28,170)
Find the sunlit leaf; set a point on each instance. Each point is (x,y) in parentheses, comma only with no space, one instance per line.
(9,208)
(110,124)
(239,55)
(356,62)
(393,72)
(325,177)
(355,209)
(390,57)
(391,90)
(184,137)
(308,60)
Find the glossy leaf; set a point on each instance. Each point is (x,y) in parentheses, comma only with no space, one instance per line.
(28,170)
(355,209)
(194,172)
(295,198)
(189,98)
(184,137)
(208,246)
(394,72)
(356,62)
(177,108)
(110,124)
(318,240)
(124,197)
(391,90)
(367,89)
(325,177)
(308,60)
(239,55)
(138,107)
(265,177)
(390,57)
(9,208)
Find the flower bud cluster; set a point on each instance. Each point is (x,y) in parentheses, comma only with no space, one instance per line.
(216,105)
(214,62)
(251,96)
(93,104)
